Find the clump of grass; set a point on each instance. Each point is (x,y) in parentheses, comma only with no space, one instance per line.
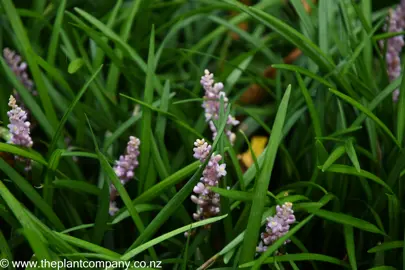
(103,73)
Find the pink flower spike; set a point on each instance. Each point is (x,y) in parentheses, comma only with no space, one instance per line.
(212,104)
(125,166)
(277,226)
(208,202)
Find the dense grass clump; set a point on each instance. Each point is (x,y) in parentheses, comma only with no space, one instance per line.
(203,134)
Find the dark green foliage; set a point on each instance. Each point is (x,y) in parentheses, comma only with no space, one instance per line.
(106,70)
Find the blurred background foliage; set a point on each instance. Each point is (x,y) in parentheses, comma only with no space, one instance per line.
(326,136)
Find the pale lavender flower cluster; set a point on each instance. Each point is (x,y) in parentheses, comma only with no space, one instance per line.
(19,127)
(20,70)
(277,226)
(396,23)
(211,105)
(208,202)
(124,168)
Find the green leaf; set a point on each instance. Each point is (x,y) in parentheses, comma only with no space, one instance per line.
(110,34)
(387,246)
(161,123)
(236,166)
(347,220)
(62,122)
(173,117)
(304,184)
(38,245)
(300,257)
(75,185)
(304,72)
(352,154)
(322,154)
(56,75)
(367,112)
(345,131)
(23,152)
(383,267)
(31,193)
(170,181)
(387,35)
(117,219)
(306,20)
(5,249)
(146,130)
(139,207)
(87,245)
(57,242)
(100,54)
(75,65)
(340,168)
(252,153)
(324,24)
(132,253)
(48,191)
(16,207)
(53,44)
(79,154)
(310,105)
(127,124)
(100,223)
(335,155)
(386,92)
(349,239)
(401,111)
(233,194)
(158,162)
(100,41)
(253,227)
(114,71)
